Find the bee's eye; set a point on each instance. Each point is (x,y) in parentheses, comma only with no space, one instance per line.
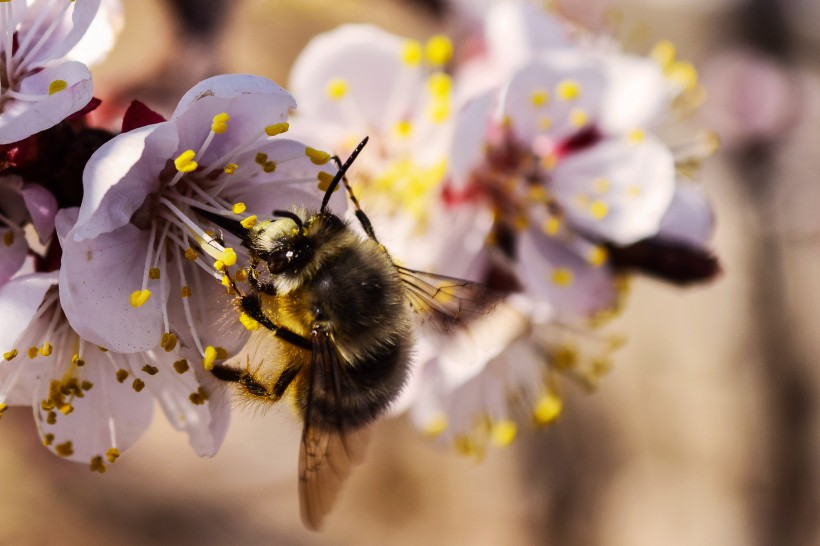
(288,256)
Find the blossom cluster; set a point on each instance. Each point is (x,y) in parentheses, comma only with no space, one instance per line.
(535,158)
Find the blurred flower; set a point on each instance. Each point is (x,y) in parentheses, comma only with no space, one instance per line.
(89,403)
(139,254)
(22,205)
(39,87)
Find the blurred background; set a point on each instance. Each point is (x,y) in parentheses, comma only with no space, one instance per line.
(707,430)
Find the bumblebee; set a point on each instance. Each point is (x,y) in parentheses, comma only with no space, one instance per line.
(338,317)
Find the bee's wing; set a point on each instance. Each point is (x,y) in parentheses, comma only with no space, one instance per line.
(329,449)
(445,304)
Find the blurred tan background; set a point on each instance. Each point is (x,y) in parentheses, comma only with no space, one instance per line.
(705,433)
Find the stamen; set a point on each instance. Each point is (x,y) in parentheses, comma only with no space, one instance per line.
(209,358)
(185,304)
(56,21)
(185,163)
(336,89)
(277,128)
(317,157)
(220,123)
(439,50)
(412,53)
(547,409)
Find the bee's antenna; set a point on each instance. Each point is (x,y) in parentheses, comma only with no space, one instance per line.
(360,215)
(340,174)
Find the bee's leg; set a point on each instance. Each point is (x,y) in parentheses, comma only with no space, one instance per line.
(253,387)
(265,287)
(251,304)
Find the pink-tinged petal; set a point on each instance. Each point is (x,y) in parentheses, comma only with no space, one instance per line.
(22,118)
(517,31)
(252,102)
(637,93)
(19,300)
(13,251)
(120,175)
(66,35)
(556,95)
(101,35)
(689,219)
(550,271)
(473,123)
(193,401)
(42,207)
(355,76)
(617,190)
(97,278)
(110,414)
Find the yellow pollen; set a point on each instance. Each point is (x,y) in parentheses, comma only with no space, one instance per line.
(66,449)
(568,90)
(229,257)
(196,399)
(32,352)
(439,85)
(56,86)
(683,73)
(636,136)
(9,355)
(219,265)
(87,385)
(437,425)
(139,297)
(239,208)
(46,349)
(230,168)
(552,225)
(181,366)
(324,180)
(578,117)
(504,432)
(336,88)
(261,158)
(185,162)
(601,184)
(112,455)
(154,273)
(76,360)
(411,53)
(51,417)
(241,276)
(8,238)
(138,385)
(220,123)
(65,409)
(48,439)
(547,409)
(562,276)
(439,110)
(549,161)
(168,341)
(185,291)
(248,322)
(97,465)
(3,407)
(122,375)
(150,370)
(599,210)
(317,157)
(439,50)
(565,357)
(664,53)
(277,128)
(191,254)
(226,282)
(249,222)
(209,358)
(539,194)
(597,256)
(539,97)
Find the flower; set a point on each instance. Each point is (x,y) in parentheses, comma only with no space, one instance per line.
(142,253)
(89,403)
(40,88)
(22,204)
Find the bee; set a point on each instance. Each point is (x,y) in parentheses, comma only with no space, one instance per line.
(338,317)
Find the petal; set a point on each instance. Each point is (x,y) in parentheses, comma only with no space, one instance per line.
(473,124)
(42,207)
(120,175)
(637,93)
(98,40)
(375,87)
(66,34)
(550,271)
(617,190)
(22,118)
(517,31)
(97,278)
(204,419)
(110,414)
(555,94)
(19,300)
(252,102)
(13,251)
(689,218)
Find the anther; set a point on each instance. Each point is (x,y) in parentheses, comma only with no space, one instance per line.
(209,358)
(185,162)
(439,50)
(168,341)
(317,157)
(56,86)
(139,297)
(277,128)
(220,123)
